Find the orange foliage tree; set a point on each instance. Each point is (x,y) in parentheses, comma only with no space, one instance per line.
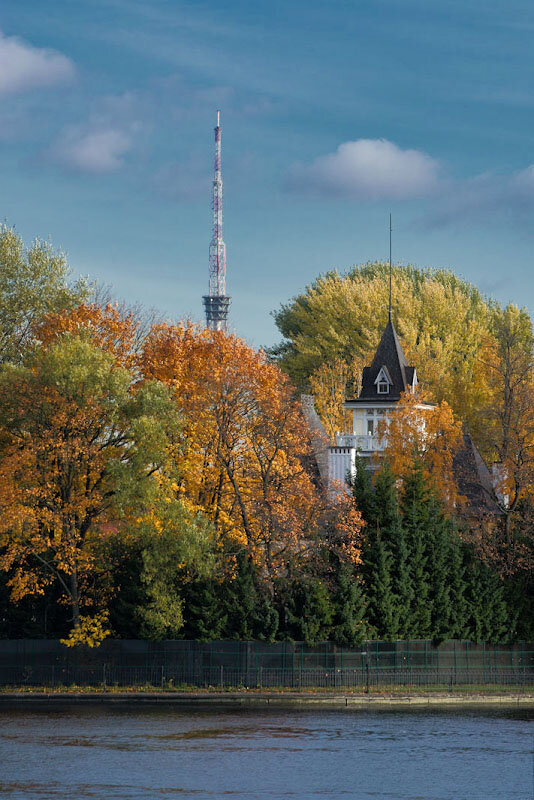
(415,431)
(110,328)
(247,459)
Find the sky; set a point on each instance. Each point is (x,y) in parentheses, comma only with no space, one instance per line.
(334,114)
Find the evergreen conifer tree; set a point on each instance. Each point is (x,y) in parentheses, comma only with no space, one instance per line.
(205,617)
(349,621)
(248,610)
(377,561)
(457,590)
(382,608)
(438,540)
(519,591)
(488,617)
(394,538)
(363,491)
(415,513)
(308,610)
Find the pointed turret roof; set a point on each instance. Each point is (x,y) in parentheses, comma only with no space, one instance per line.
(390,358)
(474,478)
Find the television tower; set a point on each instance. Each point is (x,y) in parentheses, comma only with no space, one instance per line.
(216,302)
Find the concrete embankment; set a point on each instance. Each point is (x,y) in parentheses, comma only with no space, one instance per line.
(265,699)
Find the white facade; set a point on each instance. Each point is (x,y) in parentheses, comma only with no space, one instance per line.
(363,440)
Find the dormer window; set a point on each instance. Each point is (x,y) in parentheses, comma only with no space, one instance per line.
(383,381)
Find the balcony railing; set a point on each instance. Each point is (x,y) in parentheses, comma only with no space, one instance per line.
(364,443)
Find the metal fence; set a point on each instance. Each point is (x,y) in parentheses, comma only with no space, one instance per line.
(294,665)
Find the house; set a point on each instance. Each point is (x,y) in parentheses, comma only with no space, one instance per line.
(383,383)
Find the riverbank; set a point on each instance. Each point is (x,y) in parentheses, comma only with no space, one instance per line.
(257,698)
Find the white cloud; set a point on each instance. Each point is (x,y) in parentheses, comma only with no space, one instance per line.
(373,168)
(24,67)
(377,169)
(95,150)
(102,142)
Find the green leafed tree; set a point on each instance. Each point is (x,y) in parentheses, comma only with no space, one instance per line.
(177,547)
(34,281)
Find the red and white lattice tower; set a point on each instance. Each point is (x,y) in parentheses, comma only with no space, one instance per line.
(216,302)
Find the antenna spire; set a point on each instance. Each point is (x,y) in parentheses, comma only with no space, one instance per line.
(390,269)
(216,302)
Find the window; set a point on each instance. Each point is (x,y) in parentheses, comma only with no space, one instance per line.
(383,381)
(370,427)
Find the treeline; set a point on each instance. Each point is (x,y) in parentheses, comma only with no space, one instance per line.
(158,481)
(417,579)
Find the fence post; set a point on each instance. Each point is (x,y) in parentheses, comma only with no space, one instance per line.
(162,676)
(260,676)
(367,676)
(222,678)
(53,675)
(104,676)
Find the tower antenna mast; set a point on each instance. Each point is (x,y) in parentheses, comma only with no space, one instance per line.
(217,302)
(390,269)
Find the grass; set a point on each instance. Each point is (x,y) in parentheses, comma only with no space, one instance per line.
(378,691)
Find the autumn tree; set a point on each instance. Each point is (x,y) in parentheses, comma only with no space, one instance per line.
(111,328)
(332,384)
(34,281)
(79,444)
(417,431)
(247,459)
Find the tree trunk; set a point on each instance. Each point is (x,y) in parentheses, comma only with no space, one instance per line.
(75,598)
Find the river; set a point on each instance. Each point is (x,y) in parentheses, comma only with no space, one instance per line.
(129,752)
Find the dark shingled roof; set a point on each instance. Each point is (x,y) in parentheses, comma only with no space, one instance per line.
(473,478)
(391,356)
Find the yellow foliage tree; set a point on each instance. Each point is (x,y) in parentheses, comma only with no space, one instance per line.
(441,321)
(332,384)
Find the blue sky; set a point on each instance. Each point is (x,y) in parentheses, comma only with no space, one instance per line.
(334,114)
